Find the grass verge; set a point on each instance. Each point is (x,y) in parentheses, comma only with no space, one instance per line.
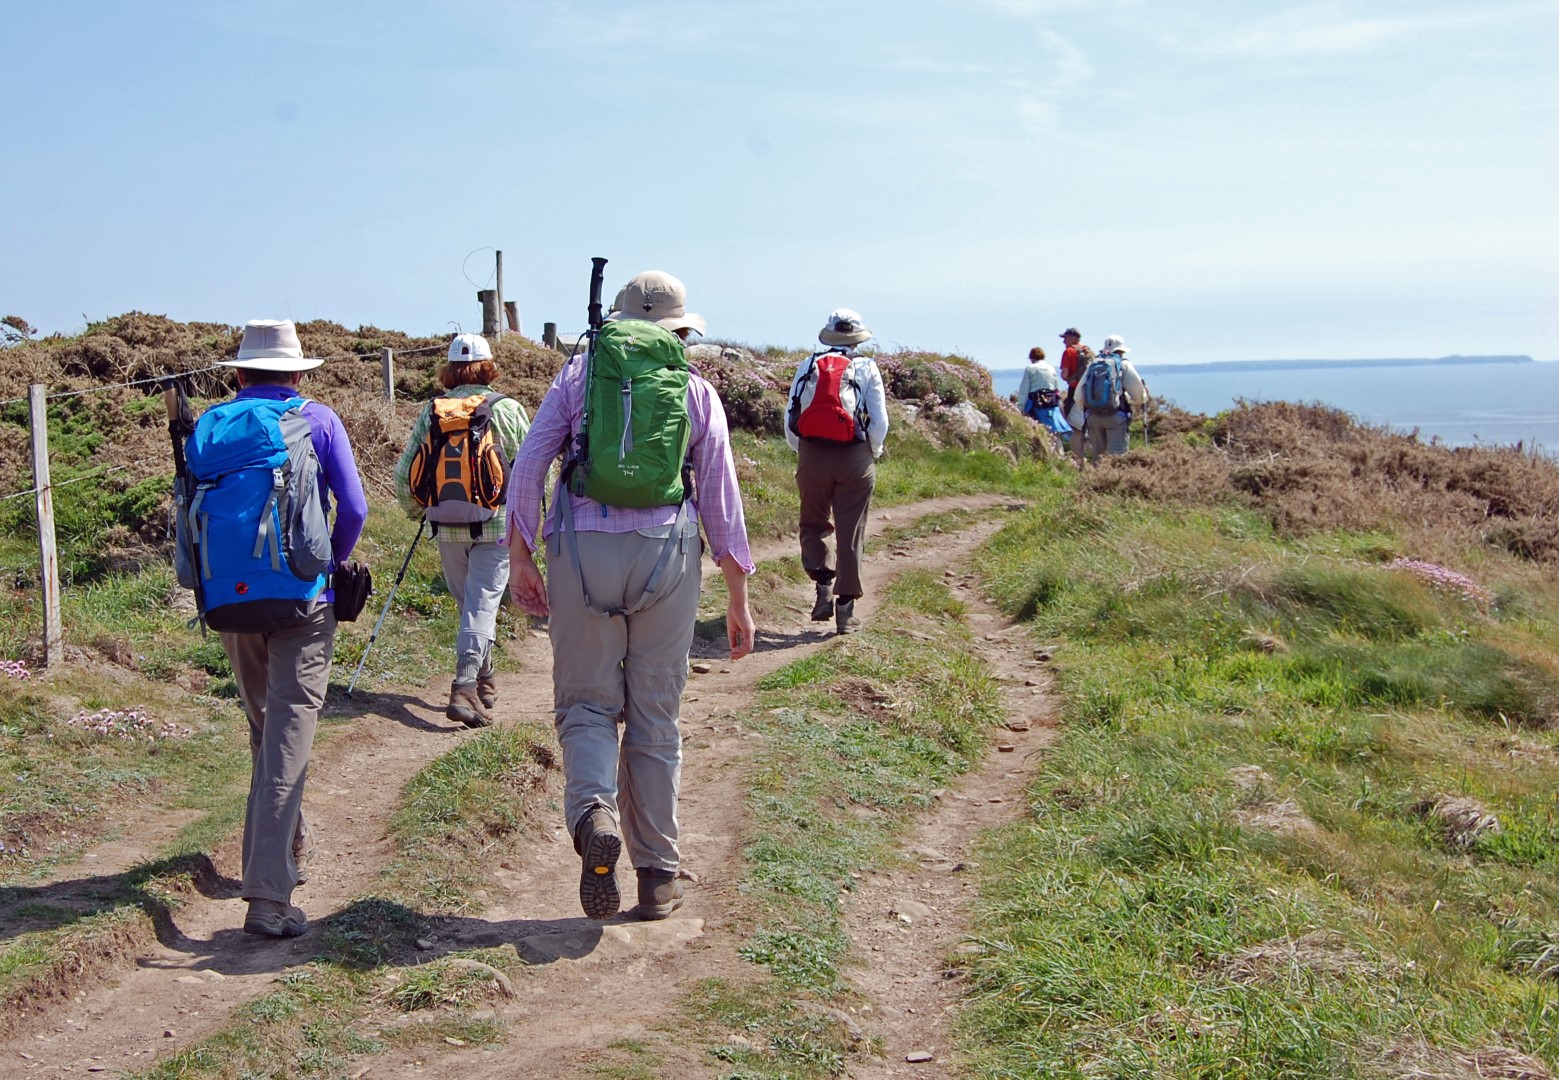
(1301,821)
(857,738)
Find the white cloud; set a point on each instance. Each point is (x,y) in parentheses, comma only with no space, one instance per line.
(1326,30)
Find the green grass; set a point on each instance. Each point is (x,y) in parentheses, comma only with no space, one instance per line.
(1131,920)
(857,737)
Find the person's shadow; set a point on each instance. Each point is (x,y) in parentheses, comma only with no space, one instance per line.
(395,707)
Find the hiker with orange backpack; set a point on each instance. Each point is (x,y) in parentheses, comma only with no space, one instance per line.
(647,458)
(836,422)
(453,476)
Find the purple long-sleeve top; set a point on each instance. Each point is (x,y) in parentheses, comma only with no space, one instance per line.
(337,465)
(558,419)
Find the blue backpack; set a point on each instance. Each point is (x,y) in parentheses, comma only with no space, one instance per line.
(253,540)
(1102,384)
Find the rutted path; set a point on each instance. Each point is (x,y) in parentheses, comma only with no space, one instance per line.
(205,967)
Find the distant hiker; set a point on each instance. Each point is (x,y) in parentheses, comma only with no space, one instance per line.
(836,422)
(1039,394)
(1108,391)
(258,551)
(1074,357)
(454,475)
(623,568)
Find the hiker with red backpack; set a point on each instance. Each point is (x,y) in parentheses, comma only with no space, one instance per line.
(453,476)
(647,458)
(1108,391)
(1039,395)
(836,422)
(254,542)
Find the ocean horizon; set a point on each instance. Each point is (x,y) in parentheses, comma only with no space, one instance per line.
(1494,401)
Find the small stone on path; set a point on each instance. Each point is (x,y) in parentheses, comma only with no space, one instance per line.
(1017,725)
(918,1057)
(702,669)
(1006,748)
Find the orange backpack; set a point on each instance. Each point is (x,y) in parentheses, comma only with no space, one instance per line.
(458,473)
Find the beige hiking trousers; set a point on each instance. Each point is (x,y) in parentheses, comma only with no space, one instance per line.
(627,672)
(281,680)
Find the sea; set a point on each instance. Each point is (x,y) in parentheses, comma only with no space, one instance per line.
(1457,404)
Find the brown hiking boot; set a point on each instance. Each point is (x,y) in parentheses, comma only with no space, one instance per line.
(845,621)
(272,918)
(598,843)
(660,893)
(823,610)
(465,707)
(487,691)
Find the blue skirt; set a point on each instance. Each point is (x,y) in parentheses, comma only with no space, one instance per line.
(1051,418)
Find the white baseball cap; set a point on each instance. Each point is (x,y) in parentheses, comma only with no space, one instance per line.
(469,348)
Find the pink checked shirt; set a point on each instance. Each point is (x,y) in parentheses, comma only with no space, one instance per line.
(719,501)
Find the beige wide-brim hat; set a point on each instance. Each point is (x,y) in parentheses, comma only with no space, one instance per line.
(844,327)
(655,296)
(1114,344)
(272,345)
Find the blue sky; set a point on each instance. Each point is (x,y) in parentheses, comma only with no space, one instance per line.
(1209,180)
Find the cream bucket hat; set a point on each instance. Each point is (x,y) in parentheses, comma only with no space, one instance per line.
(271,345)
(844,327)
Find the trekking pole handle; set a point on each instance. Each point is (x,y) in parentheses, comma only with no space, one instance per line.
(597,274)
(388,600)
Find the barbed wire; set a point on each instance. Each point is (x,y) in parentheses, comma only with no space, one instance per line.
(104,471)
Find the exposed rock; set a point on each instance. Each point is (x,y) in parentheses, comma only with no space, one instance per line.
(909,912)
(970,418)
(609,941)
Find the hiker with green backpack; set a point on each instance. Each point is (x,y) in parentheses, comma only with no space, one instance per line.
(453,477)
(647,458)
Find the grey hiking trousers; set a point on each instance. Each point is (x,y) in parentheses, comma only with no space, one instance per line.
(627,671)
(281,680)
(1106,433)
(477,573)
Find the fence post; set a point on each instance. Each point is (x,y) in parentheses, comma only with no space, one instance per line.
(387,366)
(489,302)
(498,293)
(549,335)
(48,555)
(511,312)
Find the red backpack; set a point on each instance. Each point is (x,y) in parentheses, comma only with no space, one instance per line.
(827,401)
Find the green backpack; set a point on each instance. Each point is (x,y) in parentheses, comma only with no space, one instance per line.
(636,429)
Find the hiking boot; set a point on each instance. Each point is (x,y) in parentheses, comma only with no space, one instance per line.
(274,919)
(487,691)
(465,707)
(302,848)
(823,610)
(845,621)
(660,893)
(598,844)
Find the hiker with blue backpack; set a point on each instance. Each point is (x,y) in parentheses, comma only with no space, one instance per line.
(836,422)
(453,476)
(1108,391)
(256,546)
(647,458)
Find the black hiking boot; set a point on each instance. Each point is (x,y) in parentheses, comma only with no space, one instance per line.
(823,610)
(598,844)
(660,893)
(845,621)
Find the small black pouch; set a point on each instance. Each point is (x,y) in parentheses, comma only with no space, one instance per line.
(353,585)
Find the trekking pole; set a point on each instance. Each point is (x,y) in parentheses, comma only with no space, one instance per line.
(373,637)
(1147,417)
(597,274)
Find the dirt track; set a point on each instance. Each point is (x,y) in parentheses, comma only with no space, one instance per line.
(591,983)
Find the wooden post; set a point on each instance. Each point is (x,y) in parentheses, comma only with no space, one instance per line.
(48,554)
(498,294)
(387,367)
(549,335)
(511,313)
(489,301)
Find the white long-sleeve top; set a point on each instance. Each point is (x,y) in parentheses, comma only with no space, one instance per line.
(864,372)
(1038,376)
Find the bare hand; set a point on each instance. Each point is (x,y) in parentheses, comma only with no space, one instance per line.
(739,630)
(527,588)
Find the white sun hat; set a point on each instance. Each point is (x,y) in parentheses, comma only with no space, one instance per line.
(1114,344)
(655,296)
(469,348)
(844,327)
(271,345)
